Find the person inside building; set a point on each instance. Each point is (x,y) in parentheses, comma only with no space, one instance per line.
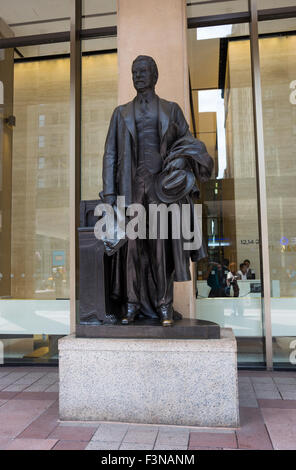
(216,280)
(242,272)
(250,272)
(231,281)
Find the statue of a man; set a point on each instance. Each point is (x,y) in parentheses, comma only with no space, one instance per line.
(142,135)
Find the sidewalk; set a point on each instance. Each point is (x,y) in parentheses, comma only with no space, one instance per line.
(29,418)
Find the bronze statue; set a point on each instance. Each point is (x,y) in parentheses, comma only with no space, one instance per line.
(151,158)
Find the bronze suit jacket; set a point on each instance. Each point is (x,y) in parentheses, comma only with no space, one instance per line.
(120,156)
(120,162)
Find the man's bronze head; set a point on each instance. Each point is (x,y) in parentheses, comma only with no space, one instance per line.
(145,73)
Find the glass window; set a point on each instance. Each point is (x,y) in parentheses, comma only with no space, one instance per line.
(228,280)
(200,8)
(278,78)
(34,245)
(270,4)
(99,14)
(99,98)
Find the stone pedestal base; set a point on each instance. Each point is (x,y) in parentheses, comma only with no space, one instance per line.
(183,382)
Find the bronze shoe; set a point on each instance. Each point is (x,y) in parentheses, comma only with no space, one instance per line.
(166,315)
(132,311)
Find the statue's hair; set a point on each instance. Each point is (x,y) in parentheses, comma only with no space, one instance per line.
(151,63)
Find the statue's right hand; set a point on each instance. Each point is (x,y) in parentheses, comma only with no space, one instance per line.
(110,199)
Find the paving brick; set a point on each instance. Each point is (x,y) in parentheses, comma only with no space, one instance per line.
(4,372)
(4,443)
(100,445)
(281,404)
(16,375)
(178,429)
(41,427)
(265,387)
(261,379)
(248,402)
(244,380)
(31,444)
(281,425)
(291,374)
(270,394)
(72,433)
(205,448)
(7,369)
(25,395)
(16,415)
(285,380)
(49,378)
(172,438)
(7,395)
(289,395)
(141,434)
(287,387)
(110,432)
(30,378)
(135,446)
(37,387)
(53,388)
(70,445)
(210,439)
(254,373)
(5,382)
(15,388)
(169,447)
(246,394)
(252,433)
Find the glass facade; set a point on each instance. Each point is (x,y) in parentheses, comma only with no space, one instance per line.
(34,284)
(221,89)
(35,170)
(278,72)
(99,98)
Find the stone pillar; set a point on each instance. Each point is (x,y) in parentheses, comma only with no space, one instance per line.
(157,28)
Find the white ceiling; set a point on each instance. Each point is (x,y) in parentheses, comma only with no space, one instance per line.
(49,16)
(17,12)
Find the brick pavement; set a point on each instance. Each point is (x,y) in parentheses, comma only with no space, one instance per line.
(29,418)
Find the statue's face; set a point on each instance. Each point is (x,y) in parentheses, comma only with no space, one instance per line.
(143,78)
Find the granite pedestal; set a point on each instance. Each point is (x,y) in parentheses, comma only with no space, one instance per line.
(190,382)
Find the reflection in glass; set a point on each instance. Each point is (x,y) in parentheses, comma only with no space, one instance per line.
(99,98)
(278,75)
(34,245)
(228,281)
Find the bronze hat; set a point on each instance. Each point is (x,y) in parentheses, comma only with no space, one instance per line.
(173,186)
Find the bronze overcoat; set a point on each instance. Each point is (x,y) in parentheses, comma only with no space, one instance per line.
(120,164)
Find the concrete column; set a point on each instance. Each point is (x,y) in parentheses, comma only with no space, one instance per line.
(157,28)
